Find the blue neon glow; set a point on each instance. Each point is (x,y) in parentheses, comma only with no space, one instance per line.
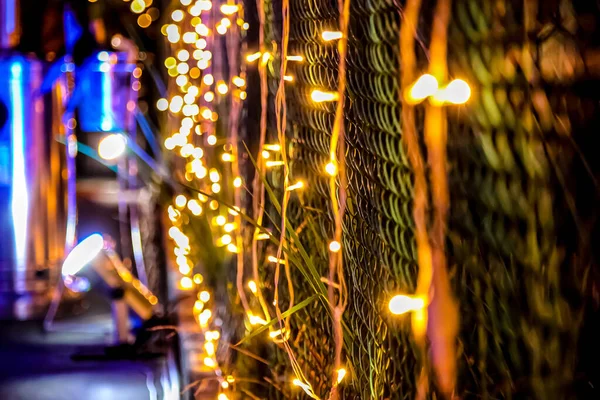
(83,254)
(9,16)
(107,120)
(19,196)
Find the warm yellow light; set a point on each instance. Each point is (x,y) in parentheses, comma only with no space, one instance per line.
(213,205)
(256,320)
(229,9)
(198,279)
(182,68)
(195,207)
(226,22)
(252,286)
(208,79)
(214,175)
(276,333)
(202,30)
(209,347)
(262,236)
(162,104)
(215,187)
(401,304)
(245,26)
(335,246)
(220,220)
(190,37)
(237,81)
(209,96)
(229,227)
(180,201)
(138,6)
(177,15)
(209,362)
(212,335)
(295,58)
(270,164)
(288,78)
(181,80)
(186,150)
(201,44)
(253,57)
(265,154)
(457,92)
(243,95)
(224,385)
(265,57)
(183,55)
(184,269)
(198,305)
(223,396)
(331,35)
(425,86)
(232,248)
(212,140)
(221,29)
(297,185)
(331,168)
(227,157)
(226,239)
(185,2)
(204,296)
(203,64)
(186,283)
(274,259)
(237,182)
(272,147)
(204,317)
(230,379)
(341,373)
(222,88)
(112,146)
(320,96)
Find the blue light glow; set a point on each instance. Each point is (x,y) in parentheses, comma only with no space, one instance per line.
(19,196)
(107,121)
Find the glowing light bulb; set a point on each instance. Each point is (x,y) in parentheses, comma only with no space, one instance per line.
(208,79)
(182,68)
(274,259)
(186,283)
(198,279)
(237,81)
(295,58)
(262,236)
(162,104)
(180,201)
(297,185)
(288,78)
(223,396)
(226,22)
(229,227)
(229,9)
(424,87)
(256,320)
(221,29)
(222,88)
(212,140)
(138,6)
(265,154)
(214,175)
(215,187)
(209,362)
(252,286)
(335,246)
(401,304)
(320,96)
(195,207)
(272,147)
(209,97)
(237,182)
(190,37)
(177,15)
(225,239)
(227,157)
(265,57)
(341,373)
(204,296)
(276,333)
(112,147)
(202,30)
(331,168)
(253,57)
(457,92)
(331,35)
(271,164)
(220,220)
(224,385)
(232,248)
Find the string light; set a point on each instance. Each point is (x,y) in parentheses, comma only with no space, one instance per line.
(265,57)
(331,35)
(335,246)
(253,57)
(180,201)
(237,182)
(331,168)
(295,58)
(229,9)
(272,147)
(297,185)
(186,283)
(223,396)
(222,88)
(275,164)
(457,92)
(401,304)
(265,154)
(288,78)
(320,96)
(274,259)
(162,104)
(252,286)
(239,82)
(341,373)
(427,85)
